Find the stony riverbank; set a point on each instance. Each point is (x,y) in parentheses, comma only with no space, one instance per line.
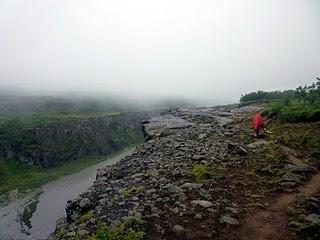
(199,175)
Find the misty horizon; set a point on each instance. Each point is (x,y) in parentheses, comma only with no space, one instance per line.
(210,51)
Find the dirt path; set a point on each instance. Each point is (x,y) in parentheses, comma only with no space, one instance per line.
(270,224)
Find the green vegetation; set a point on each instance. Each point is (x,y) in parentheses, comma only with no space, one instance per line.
(14,130)
(115,233)
(200,172)
(203,174)
(261,96)
(286,140)
(129,229)
(40,118)
(294,111)
(14,175)
(300,105)
(125,137)
(29,210)
(84,218)
(301,136)
(133,190)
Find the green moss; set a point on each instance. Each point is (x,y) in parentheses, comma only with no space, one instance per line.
(301,136)
(60,234)
(134,235)
(84,218)
(274,154)
(202,173)
(129,229)
(134,190)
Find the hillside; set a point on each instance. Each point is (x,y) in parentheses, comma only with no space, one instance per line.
(201,175)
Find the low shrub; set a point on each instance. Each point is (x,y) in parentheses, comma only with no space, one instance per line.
(294,111)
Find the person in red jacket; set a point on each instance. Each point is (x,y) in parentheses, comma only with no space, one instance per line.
(257,123)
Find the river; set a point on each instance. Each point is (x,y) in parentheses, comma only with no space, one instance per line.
(51,199)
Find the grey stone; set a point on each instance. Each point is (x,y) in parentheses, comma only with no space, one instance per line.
(85,203)
(229,220)
(202,203)
(178,230)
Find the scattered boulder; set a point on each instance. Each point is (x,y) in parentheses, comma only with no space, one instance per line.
(178,230)
(229,220)
(235,149)
(202,203)
(85,204)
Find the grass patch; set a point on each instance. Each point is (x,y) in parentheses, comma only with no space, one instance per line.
(14,175)
(203,174)
(134,190)
(200,172)
(294,111)
(129,229)
(84,218)
(52,117)
(303,137)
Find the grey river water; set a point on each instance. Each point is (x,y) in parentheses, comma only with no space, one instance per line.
(51,206)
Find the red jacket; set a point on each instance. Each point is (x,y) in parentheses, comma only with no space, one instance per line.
(257,121)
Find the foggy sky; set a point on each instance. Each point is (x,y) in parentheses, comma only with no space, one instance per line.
(211,49)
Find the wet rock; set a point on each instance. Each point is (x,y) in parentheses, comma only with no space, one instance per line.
(170,188)
(198,157)
(191,186)
(294,225)
(61,222)
(313,219)
(229,220)
(235,149)
(85,204)
(178,230)
(266,170)
(300,169)
(232,210)
(202,136)
(83,232)
(291,177)
(155,126)
(202,203)
(182,197)
(291,211)
(258,144)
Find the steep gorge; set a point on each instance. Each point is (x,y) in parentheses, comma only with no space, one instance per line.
(54,143)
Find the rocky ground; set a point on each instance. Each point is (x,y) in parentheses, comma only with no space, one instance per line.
(201,175)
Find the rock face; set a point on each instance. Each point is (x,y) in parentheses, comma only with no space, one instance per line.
(52,144)
(157,125)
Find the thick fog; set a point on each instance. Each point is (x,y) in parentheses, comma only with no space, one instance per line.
(207,49)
